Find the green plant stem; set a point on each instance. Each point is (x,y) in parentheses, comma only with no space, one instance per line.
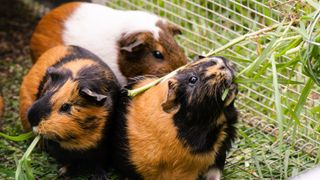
(242,38)
(291,38)
(134,92)
(277,97)
(18,138)
(270,48)
(22,170)
(302,99)
(224,95)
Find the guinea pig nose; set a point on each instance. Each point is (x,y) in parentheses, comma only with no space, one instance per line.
(37,112)
(33,117)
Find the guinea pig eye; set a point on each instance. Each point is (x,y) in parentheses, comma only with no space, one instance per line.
(157,54)
(193,79)
(65,107)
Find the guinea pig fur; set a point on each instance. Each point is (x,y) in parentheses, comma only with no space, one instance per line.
(180,128)
(68,97)
(132,43)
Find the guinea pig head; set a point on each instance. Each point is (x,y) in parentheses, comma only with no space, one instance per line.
(153,53)
(196,90)
(72,110)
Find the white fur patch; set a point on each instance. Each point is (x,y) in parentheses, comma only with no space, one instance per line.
(213,174)
(98,28)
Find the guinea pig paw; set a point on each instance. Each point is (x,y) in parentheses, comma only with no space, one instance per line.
(213,174)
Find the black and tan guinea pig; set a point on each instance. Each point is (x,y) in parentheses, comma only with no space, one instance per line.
(180,128)
(68,98)
(132,43)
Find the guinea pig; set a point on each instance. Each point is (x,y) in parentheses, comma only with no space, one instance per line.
(180,128)
(68,97)
(132,43)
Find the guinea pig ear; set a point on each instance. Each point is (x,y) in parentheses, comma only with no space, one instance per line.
(93,96)
(198,57)
(169,105)
(174,29)
(54,73)
(133,46)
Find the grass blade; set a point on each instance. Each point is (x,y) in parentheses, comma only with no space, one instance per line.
(242,38)
(23,168)
(302,99)
(286,163)
(18,138)
(224,95)
(277,97)
(315,109)
(265,81)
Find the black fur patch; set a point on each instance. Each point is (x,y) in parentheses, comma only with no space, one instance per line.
(89,123)
(75,53)
(47,83)
(120,153)
(40,109)
(196,119)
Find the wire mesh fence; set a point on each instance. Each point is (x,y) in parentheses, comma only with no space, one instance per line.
(209,24)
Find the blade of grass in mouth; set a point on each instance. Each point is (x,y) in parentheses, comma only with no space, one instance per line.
(225,93)
(24,171)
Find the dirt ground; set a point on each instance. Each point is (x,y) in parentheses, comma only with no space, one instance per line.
(16,25)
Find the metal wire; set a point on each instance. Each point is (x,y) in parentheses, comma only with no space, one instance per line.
(208,24)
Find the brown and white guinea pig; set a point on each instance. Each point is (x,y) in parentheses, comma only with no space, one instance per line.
(132,43)
(68,98)
(180,128)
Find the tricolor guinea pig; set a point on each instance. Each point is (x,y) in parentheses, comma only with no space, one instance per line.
(180,128)
(68,98)
(132,43)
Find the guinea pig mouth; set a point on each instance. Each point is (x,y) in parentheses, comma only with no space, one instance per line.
(232,92)
(35,130)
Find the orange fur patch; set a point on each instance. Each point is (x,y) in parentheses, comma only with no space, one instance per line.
(61,126)
(49,30)
(154,148)
(31,82)
(75,66)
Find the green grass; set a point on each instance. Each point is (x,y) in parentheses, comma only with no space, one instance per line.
(288,112)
